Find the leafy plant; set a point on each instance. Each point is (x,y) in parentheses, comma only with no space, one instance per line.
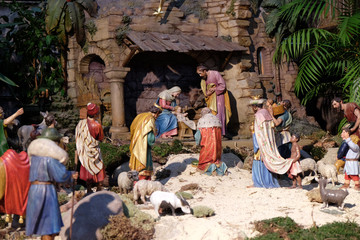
(164,149)
(328,60)
(113,156)
(123,30)
(26,44)
(91,28)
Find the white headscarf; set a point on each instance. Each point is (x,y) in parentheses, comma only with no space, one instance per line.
(167,94)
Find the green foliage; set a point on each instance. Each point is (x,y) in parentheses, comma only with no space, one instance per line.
(202,211)
(123,30)
(134,224)
(328,60)
(185,195)
(164,149)
(29,56)
(317,153)
(113,156)
(227,38)
(286,228)
(91,28)
(66,18)
(62,198)
(3,224)
(231,11)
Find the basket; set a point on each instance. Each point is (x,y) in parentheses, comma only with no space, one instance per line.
(278,109)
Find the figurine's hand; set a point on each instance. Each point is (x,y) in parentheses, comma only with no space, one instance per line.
(75,175)
(20,112)
(271,111)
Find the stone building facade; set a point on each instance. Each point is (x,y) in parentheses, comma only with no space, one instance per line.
(125,79)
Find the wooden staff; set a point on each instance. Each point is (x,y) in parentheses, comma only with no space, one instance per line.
(73,195)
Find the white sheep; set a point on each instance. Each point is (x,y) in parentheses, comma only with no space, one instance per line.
(126,180)
(164,200)
(308,164)
(328,171)
(145,188)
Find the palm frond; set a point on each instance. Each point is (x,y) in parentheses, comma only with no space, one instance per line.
(319,89)
(77,17)
(54,10)
(90,6)
(6,80)
(349,28)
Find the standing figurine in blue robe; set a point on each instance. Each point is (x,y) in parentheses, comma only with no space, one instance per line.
(47,167)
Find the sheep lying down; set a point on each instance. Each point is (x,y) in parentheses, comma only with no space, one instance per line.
(165,200)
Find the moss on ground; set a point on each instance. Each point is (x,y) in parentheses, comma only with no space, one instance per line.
(134,224)
(286,228)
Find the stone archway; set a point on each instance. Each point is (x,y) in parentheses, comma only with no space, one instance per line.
(92,81)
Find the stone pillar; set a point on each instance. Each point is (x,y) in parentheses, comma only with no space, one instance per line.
(116,78)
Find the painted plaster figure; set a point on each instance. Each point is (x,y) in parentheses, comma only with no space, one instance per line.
(282,120)
(166,123)
(341,155)
(208,136)
(14,183)
(182,117)
(4,122)
(351,168)
(267,159)
(142,131)
(43,214)
(261,176)
(351,113)
(295,169)
(217,97)
(331,196)
(88,134)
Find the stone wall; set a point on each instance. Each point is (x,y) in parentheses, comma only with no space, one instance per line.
(228,19)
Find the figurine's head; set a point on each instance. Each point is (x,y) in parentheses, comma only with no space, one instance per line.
(92,110)
(175,91)
(336,103)
(49,120)
(257,103)
(155,110)
(345,133)
(286,104)
(202,71)
(269,103)
(178,109)
(295,137)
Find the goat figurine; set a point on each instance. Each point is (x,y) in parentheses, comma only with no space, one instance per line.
(331,196)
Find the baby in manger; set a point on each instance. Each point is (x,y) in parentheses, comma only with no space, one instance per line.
(182,117)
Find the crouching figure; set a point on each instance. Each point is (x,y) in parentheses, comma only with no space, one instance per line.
(208,136)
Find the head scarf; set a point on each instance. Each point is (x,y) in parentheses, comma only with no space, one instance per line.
(167,94)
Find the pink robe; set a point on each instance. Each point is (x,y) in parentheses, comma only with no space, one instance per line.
(214,77)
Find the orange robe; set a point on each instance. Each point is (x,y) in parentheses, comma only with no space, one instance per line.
(210,147)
